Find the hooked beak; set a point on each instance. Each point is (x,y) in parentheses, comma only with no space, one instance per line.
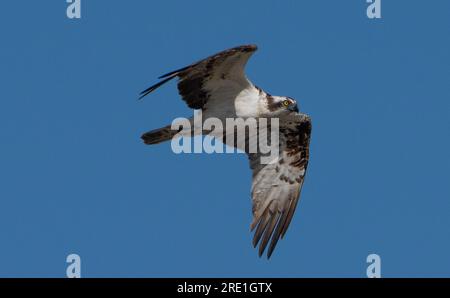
(293,108)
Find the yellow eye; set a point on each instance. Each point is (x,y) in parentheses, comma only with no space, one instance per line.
(286,103)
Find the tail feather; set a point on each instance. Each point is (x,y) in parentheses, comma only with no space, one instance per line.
(159,135)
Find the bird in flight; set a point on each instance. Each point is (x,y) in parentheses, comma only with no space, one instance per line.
(219,88)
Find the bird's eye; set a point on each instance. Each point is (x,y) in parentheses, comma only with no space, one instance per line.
(286,103)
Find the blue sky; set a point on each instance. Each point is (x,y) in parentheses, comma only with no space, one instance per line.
(75,177)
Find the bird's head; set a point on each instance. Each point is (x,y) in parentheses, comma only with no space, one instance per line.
(282,104)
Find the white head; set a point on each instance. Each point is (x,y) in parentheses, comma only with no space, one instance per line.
(281,104)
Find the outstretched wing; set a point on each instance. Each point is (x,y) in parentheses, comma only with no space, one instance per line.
(207,78)
(276,186)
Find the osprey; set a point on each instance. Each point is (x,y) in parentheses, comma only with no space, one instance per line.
(219,88)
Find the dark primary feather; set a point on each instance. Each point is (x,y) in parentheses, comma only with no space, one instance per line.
(153,88)
(176,72)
